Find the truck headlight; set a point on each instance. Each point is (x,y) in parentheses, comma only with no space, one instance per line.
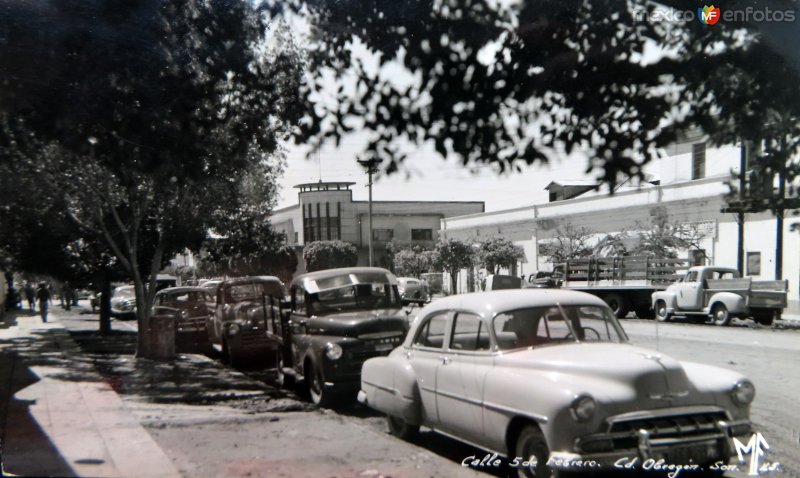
(233,329)
(743,392)
(583,408)
(333,351)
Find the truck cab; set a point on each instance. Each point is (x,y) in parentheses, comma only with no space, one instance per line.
(338,319)
(719,294)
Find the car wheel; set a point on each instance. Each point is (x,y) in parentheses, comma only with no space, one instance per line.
(618,304)
(720,315)
(531,447)
(400,428)
(316,387)
(280,378)
(661,311)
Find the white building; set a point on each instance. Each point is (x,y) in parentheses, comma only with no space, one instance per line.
(688,184)
(327,211)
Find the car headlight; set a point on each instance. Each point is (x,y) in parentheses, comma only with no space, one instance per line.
(583,408)
(233,329)
(743,392)
(333,351)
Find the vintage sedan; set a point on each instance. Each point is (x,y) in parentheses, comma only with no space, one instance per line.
(190,307)
(412,290)
(123,302)
(548,379)
(246,324)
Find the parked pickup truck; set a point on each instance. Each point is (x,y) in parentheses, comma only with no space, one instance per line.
(625,283)
(719,294)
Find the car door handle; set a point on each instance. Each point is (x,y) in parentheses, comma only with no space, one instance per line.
(445,360)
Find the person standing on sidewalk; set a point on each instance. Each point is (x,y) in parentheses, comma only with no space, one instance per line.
(30,294)
(43,295)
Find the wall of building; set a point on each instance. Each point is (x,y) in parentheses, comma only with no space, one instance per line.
(694,202)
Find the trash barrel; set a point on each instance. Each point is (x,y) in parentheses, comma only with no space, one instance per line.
(161,335)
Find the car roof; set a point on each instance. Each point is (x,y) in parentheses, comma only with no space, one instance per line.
(489,303)
(178,290)
(328,273)
(249,279)
(407,279)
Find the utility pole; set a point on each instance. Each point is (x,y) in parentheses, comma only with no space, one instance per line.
(371,165)
(740,217)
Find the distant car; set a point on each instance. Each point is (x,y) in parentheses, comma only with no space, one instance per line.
(123,302)
(211,286)
(548,379)
(246,324)
(191,308)
(94,301)
(83,294)
(412,290)
(542,280)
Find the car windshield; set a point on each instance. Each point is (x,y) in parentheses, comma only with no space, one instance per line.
(538,326)
(253,291)
(187,298)
(124,292)
(354,297)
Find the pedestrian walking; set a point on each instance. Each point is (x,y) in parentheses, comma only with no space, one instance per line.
(30,294)
(43,295)
(67,299)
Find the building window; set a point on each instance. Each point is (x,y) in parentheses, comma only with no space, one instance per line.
(384,235)
(421,234)
(698,160)
(754,263)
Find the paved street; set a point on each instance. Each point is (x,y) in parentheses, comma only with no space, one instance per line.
(210,420)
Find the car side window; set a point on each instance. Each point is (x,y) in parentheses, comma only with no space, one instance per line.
(431,333)
(299,300)
(470,333)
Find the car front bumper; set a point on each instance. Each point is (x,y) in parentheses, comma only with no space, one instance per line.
(692,451)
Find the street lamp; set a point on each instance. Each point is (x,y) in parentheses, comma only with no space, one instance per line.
(371,165)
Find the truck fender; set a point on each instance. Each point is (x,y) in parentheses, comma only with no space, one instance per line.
(735,303)
(668,298)
(391,387)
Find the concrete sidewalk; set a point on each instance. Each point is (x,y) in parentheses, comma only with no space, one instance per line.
(58,416)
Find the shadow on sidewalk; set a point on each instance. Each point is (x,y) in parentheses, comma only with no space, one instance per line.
(189,379)
(25,449)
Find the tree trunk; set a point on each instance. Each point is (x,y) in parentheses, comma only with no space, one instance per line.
(147,346)
(453,282)
(105,307)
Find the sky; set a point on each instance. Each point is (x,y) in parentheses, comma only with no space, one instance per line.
(426,176)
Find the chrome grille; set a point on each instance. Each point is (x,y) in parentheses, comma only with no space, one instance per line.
(624,432)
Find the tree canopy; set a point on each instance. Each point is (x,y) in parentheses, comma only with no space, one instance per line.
(516,83)
(497,252)
(414,261)
(452,256)
(319,255)
(151,122)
